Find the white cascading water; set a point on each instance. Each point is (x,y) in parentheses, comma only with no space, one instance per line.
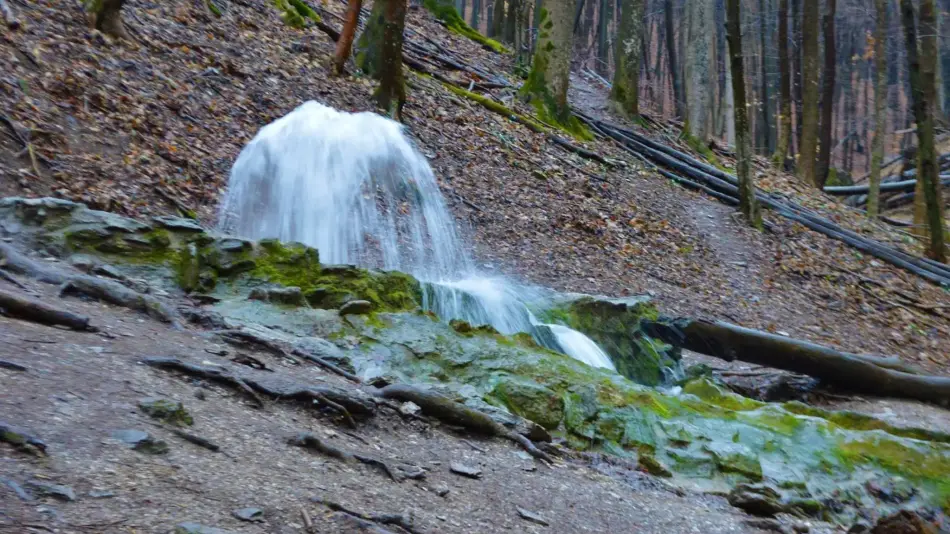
(353,187)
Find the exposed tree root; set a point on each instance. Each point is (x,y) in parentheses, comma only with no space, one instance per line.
(867,374)
(13,261)
(327,365)
(118,294)
(38,312)
(12,279)
(4,364)
(448,411)
(313,442)
(241,335)
(192,438)
(22,440)
(273,387)
(397,520)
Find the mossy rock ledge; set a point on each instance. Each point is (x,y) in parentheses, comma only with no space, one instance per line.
(614,323)
(834,466)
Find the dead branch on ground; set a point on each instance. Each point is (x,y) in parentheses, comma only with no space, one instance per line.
(35,311)
(313,442)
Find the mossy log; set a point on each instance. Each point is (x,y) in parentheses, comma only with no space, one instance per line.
(451,412)
(354,404)
(35,311)
(854,372)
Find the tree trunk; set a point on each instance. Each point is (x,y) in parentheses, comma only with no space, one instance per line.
(764,78)
(698,66)
(810,66)
(497,22)
(603,38)
(391,93)
(345,42)
(827,95)
(678,99)
(730,110)
(796,38)
(548,81)
(106,16)
(923,81)
(747,202)
(511,21)
(475,21)
(785,89)
(626,84)
(867,374)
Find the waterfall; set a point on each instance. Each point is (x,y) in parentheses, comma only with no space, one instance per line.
(352,186)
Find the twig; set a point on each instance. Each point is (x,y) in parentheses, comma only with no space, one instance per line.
(307,522)
(398,520)
(340,409)
(192,438)
(472,445)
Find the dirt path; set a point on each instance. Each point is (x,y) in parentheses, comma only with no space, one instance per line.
(81,388)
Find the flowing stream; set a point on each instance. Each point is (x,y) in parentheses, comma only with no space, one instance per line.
(352,186)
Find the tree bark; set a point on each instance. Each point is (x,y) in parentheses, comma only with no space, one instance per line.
(678,99)
(511,21)
(809,143)
(827,94)
(476,17)
(626,84)
(345,43)
(699,85)
(854,372)
(497,22)
(880,109)
(764,78)
(106,16)
(747,203)
(391,93)
(785,89)
(796,38)
(923,81)
(548,81)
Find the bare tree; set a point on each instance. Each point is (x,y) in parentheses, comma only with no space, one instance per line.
(827,94)
(747,202)
(345,42)
(880,108)
(626,84)
(785,88)
(809,143)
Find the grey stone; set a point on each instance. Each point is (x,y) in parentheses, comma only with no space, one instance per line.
(441,489)
(528,515)
(466,471)
(132,437)
(195,528)
(278,295)
(356,307)
(141,441)
(178,223)
(101,494)
(61,492)
(249,514)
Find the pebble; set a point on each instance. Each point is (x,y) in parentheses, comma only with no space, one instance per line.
(63,493)
(464,470)
(441,489)
(528,515)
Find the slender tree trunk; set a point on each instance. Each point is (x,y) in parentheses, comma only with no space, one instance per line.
(391,93)
(730,109)
(345,43)
(809,145)
(511,21)
(106,16)
(497,22)
(785,89)
(626,84)
(923,81)
(476,18)
(747,202)
(698,66)
(547,83)
(678,99)
(764,78)
(827,95)
(797,73)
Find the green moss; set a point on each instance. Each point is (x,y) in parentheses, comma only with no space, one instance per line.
(711,393)
(295,13)
(167,411)
(857,421)
(703,149)
(216,11)
(447,13)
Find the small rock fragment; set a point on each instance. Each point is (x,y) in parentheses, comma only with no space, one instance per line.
(101,494)
(195,528)
(169,411)
(904,522)
(768,523)
(356,307)
(141,441)
(441,489)
(651,465)
(409,408)
(61,492)
(249,514)
(528,515)
(757,499)
(464,470)
(20,492)
(4,364)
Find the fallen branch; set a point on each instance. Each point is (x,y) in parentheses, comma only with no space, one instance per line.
(448,411)
(4,364)
(118,294)
(313,442)
(274,388)
(890,187)
(398,520)
(38,312)
(192,438)
(13,261)
(864,374)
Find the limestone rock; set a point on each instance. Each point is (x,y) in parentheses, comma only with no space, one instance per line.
(531,401)
(356,307)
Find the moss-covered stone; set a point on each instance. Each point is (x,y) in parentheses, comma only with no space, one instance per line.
(167,411)
(531,401)
(295,13)
(615,325)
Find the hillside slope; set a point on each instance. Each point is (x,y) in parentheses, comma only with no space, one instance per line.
(153,127)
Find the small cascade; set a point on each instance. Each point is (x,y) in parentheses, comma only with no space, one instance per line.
(352,186)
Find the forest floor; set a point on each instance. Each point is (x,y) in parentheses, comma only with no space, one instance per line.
(153,127)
